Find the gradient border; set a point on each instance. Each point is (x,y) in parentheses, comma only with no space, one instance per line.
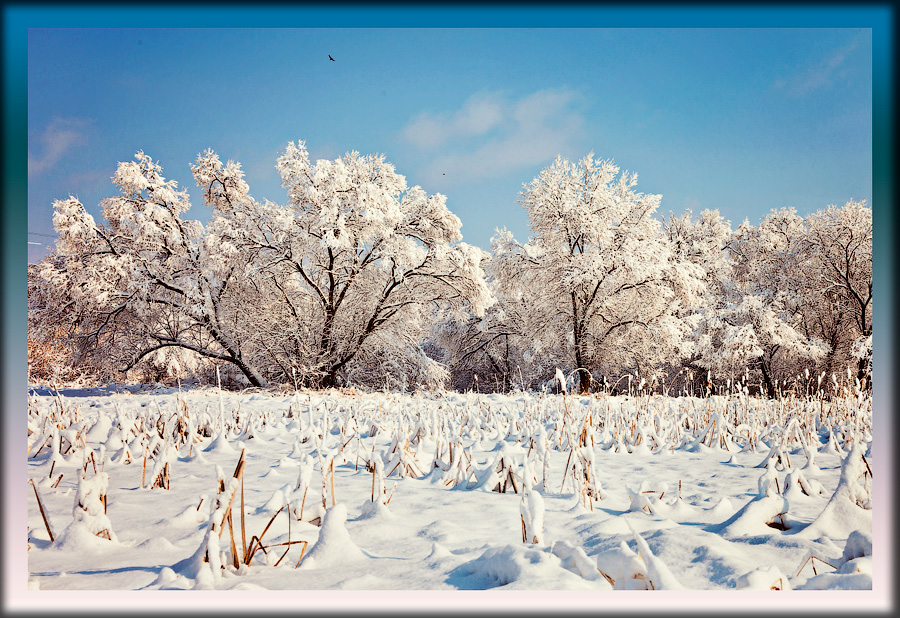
(17,18)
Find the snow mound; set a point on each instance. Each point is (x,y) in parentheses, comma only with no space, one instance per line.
(838,581)
(375,510)
(438,554)
(763,578)
(191,516)
(754,517)
(516,567)
(855,572)
(159,543)
(849,508)
(859,544)
(219,444)
(576,560)
(100,430)
(658,574)
(77,537)
(334,546)
(623,566)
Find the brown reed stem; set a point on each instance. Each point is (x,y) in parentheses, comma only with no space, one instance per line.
(41,507)
(302,553)
(243,529)
(259,539)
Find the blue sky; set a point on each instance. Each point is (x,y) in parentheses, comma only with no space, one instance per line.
(743,120)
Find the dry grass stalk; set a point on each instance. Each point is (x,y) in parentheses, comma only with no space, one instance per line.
(248,555)
(162,479)
(611,581)
(566,471)
(89,460)
(302,553)
(302,504)
(255,539)
(288,513)
(865,461)
(234,555)
(37,452)
(56,484)
(239,468)
(811,559)
(243,528)
(41,507)
(238,472)
(289,545)
(331,474)
(780,524)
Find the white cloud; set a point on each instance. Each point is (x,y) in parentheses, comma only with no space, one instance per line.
(479,114)
(822,74)
(492,133)
(60,136)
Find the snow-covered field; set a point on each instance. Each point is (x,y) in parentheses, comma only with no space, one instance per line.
(621,492)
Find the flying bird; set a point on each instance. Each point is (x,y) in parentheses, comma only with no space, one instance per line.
(330,58)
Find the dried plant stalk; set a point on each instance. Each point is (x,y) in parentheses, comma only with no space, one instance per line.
(41,507)
(331,474)
(289,544)
(302,553)
(611,581)
(243,529)
(249,556)
(234,557)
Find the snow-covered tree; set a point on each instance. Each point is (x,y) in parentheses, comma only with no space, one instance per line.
(838,244)
(704,243)
(496,351)
(601,286)
(144,280)
(51,319)
(754,322)
(358,261)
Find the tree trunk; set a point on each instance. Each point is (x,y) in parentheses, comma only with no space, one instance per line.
(234,355)
(250,374)
(770,388)
(584,381)
(506,373)
(584,376)
(330,378)
(861,370)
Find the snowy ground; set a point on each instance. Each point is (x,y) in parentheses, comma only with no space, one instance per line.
(674,497)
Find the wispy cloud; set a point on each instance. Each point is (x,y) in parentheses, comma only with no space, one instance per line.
(493,133)
(823,73)
(478,115)
(58,138)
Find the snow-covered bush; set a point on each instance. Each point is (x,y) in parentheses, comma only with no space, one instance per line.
(89,511)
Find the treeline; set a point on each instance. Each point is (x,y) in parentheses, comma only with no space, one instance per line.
(360,280)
